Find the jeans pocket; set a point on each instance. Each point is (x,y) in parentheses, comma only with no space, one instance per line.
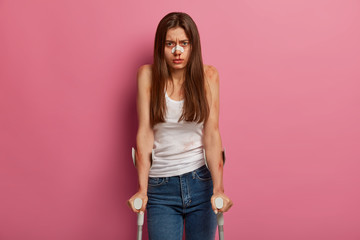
(203,174)
(153,182)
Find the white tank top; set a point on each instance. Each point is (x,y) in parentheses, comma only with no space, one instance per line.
(178,146)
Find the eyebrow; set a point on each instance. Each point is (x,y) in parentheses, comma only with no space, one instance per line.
(179,41)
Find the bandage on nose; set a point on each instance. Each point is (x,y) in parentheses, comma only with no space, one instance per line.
(177,47)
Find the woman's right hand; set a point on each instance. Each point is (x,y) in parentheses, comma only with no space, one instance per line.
(143,196)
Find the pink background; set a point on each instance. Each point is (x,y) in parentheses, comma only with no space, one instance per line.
(290,97)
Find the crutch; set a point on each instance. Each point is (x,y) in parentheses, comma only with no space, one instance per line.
(140,218)
(138,204)
(219,203)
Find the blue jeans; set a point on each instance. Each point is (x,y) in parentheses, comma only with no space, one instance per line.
(181,200)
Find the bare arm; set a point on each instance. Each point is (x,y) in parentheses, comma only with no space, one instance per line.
(212,140)
(145,135)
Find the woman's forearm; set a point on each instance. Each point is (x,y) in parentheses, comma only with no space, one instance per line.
(213,150)
(144,145)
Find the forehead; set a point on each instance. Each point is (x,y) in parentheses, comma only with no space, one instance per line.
(176,33)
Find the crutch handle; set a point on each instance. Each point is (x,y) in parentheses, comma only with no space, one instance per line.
(138,205)
(219,203)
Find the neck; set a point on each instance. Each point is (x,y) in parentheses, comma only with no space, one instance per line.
(178,76)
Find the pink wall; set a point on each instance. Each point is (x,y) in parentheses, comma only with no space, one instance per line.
(290,96)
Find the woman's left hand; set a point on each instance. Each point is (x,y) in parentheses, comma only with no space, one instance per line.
(227,202)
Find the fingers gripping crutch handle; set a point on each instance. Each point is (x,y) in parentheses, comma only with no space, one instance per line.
(140,217)
(219,203)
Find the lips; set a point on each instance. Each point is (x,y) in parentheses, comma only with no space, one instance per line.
(178,60)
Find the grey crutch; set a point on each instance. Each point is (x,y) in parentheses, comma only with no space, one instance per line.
(140,218)
(138,204)
(219,203)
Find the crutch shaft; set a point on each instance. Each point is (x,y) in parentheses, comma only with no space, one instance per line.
(139,233)
(221,232)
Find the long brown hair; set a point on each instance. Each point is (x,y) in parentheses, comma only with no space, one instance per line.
(195,102)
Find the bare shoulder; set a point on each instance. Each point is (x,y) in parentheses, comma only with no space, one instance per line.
(144,76)
(147,68)
(211,75)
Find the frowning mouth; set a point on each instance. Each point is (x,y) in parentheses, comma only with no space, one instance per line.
(178,61)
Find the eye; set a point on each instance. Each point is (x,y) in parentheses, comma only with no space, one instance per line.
(185,43)
(169,44)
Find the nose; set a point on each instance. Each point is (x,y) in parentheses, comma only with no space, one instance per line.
(177,50)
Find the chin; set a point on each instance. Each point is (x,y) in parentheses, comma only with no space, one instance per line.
(179,66)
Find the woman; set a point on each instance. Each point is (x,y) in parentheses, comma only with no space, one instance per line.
(178,110)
